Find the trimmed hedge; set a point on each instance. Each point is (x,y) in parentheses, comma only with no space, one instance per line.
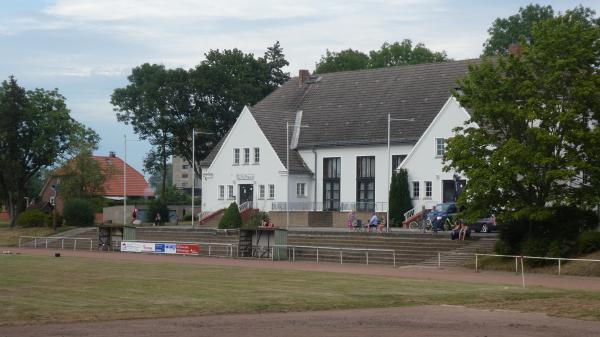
(588,242)
(79,212)
(34,218)
(231,218)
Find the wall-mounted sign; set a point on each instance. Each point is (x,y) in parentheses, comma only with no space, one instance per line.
(245,176)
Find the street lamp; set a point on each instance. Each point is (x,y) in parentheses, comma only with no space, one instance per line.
(194,170)
(287,170)
(125,140)
(389,165)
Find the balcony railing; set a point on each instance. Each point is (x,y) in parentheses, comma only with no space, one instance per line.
(320,206)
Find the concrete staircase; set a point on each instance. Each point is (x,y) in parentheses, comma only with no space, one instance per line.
(462,255)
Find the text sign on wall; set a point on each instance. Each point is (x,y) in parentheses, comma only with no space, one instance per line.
(245,176)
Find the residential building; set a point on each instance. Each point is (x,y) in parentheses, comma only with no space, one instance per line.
(183,174)
(332,130)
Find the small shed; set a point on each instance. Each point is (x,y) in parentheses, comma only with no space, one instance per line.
(264,241)
(111,235)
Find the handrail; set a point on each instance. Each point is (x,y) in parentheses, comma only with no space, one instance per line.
(55,238)
(517,257)
(341,250)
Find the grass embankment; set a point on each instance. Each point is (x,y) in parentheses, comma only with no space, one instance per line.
(9,237)
(37,289)
(576,268)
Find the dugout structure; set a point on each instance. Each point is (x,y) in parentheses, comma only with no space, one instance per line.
(111,235)
(267,242)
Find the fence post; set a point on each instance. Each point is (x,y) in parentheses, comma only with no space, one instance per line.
(209,249)
(439,260)
(62,243)
(272,253)
(317,254)
(394,255)
(558,266)
(367,257)
(293,254)
(74,244)
(46,243)
(476,267)
(522,272)
(516,264)
(341,256)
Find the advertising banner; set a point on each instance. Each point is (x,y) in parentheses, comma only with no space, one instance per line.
(188,249)
(159,248)
(133,247)
(170,248)
(147,247)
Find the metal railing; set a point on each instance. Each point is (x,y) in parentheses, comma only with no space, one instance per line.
(45,239)
(320,206)
(408,214)
(246,205)
(210,245)
(517,257)
(291,252)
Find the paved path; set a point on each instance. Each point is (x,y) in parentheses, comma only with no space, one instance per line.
(423,273)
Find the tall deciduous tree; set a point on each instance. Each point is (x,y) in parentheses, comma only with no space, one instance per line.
(389,55)
(504,32)
(82,177)
(532,139)
(36,131)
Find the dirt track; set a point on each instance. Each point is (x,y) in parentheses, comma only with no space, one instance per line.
(416,321)
(420,321)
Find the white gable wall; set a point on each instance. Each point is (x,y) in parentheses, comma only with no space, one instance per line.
(245,133)
(423,164)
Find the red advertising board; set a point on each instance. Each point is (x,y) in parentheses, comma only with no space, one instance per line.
(187,249)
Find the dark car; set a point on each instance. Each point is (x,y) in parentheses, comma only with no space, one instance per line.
(440,213)
(484,225)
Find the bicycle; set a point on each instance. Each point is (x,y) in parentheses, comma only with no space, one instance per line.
(422,225)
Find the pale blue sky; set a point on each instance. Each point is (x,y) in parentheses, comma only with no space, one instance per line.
(86,48)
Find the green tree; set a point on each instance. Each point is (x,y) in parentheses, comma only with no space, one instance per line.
(82,177)
(231,218)
(154,103)
(348,59)
(221,86)
(534,143)
(79,212)
(402,53)
(36,131)
(156,177)
(400,201)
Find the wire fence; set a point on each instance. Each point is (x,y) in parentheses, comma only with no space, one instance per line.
(317,252)
(53,241)
(559,260)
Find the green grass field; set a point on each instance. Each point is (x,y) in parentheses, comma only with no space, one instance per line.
(37,289)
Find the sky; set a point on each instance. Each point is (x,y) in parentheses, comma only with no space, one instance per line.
(87,48)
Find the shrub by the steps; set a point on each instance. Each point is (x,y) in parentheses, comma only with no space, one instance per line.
(160,207)
(588,242)
(78,212)
(231,218)
(33,218)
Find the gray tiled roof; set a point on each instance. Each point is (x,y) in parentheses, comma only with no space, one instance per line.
(350,108)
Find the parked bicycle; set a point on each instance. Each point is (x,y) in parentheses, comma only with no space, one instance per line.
(423,225)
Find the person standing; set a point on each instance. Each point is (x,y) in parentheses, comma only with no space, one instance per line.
(351,220)
(134,215)
(373,222)
(157,219)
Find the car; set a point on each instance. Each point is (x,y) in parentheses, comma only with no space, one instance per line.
(440,213)
(484,225)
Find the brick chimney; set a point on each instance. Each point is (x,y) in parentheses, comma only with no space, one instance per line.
(515,49)
(303,76)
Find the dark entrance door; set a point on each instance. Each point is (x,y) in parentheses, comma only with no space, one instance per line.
(246,193)
(449,192)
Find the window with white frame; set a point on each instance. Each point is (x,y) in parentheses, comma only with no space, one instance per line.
(261,191)
(271,191)
(416,191)
(221,192)
(246,156)
(184,167)
(230,191)
(301,190)
(428,189)
(236,156)
(256,155)
(440,147)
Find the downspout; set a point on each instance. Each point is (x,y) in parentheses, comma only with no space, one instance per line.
(315,173)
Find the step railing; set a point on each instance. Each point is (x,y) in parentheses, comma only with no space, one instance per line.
(409,214)
(43,240)
(291,252)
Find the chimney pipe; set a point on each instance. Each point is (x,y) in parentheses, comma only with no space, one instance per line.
(303,76)
(111,154)
(515,49)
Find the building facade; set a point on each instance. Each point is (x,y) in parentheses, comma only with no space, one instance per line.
(330,133)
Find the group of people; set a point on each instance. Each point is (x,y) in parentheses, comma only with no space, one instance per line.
(134,214)
(374,224)
(460,231)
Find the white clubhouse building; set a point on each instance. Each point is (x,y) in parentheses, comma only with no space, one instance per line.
(332,130)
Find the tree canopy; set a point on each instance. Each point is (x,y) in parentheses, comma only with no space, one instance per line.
(82,177)
(36,131)
(389,55)
(532,139)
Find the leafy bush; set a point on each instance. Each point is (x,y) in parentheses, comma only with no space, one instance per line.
(256,219)
(231,218)
(588,242)
(187,217)
(78,212)
(160,207)
(33,218)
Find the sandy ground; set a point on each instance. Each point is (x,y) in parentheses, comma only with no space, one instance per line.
(420,321)
(414,321)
